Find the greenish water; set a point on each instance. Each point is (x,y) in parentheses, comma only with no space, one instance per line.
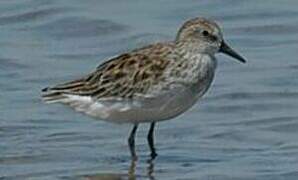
(245,127)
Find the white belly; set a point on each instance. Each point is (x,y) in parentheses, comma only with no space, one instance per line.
(141,110)
(153,109)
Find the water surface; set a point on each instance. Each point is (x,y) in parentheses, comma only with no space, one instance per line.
(246,126)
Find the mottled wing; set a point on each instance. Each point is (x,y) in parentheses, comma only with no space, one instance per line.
(124,76)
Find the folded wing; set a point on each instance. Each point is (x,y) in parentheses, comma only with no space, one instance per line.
(121,77)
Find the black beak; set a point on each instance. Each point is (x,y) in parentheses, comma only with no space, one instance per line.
(224,48)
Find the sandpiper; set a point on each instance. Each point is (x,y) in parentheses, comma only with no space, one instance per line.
(150,84)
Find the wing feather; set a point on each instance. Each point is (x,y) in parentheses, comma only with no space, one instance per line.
(121,77)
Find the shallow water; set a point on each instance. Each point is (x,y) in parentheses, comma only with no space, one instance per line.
(246,127)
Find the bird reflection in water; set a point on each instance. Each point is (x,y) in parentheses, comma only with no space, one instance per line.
(131,175)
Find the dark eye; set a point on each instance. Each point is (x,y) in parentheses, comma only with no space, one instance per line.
(205,33)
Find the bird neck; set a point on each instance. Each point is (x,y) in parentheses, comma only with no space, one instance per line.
(191,66)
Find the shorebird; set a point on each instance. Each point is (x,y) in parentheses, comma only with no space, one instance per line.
(154,83)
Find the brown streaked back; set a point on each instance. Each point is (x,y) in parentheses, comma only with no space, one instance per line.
(119,77)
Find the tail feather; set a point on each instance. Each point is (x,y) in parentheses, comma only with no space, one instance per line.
(52,96)
(58,92)
(66,86)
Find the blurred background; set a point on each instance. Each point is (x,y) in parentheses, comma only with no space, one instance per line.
(246,127)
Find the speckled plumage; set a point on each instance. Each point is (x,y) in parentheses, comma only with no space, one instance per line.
(122,76)
(150,84)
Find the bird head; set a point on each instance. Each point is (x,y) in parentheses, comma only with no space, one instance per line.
(200,35)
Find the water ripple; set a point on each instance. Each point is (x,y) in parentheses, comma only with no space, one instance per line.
(12,64)
(245,127)
(256,16)
(79,27)
(252,96)
(30,16)
(268,29)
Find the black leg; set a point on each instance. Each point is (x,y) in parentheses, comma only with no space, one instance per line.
(131,142)
(150,139)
